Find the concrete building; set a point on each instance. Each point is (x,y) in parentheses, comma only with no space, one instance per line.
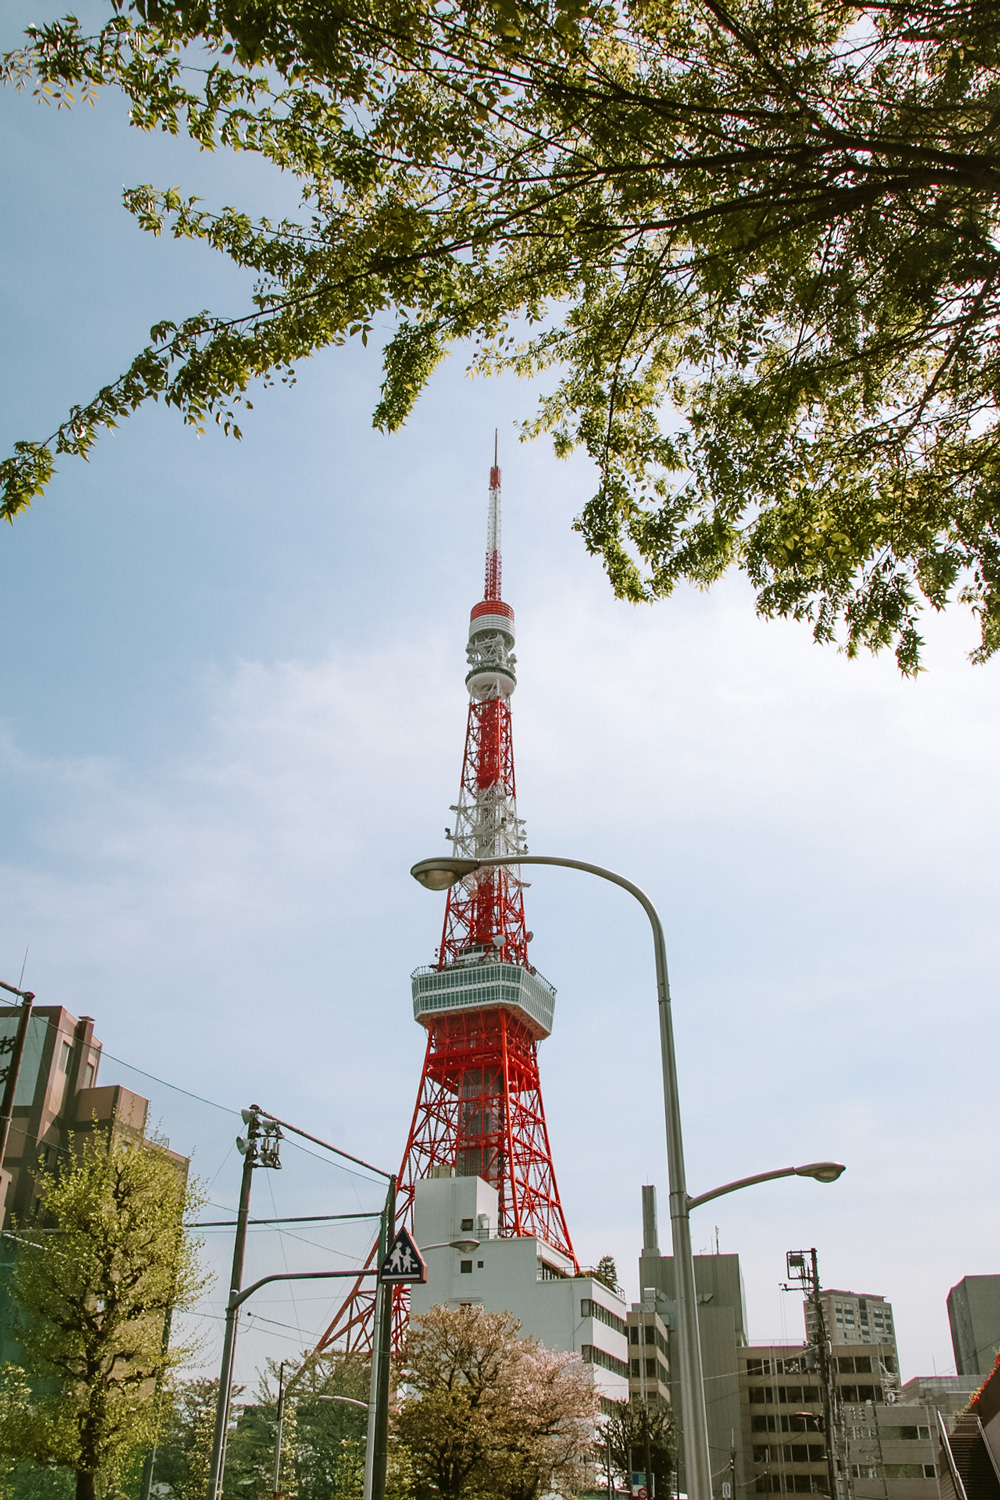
(57,1099)
(890,1451)
(61,1058)
(882,1450)
(782,1432)
(946,1394)
(722,1325)
(649,1354)
(519,1274)
(58,1103)
(857,1319)
(974,1315)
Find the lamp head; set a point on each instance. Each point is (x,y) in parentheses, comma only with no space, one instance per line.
(439,874)
(467,1245)
(822,1171)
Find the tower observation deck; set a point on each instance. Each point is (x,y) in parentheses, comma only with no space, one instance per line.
(485,1007)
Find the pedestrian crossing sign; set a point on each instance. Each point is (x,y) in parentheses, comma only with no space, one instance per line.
(404,1263)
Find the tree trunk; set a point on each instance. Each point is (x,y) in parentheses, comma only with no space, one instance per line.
(86,1485)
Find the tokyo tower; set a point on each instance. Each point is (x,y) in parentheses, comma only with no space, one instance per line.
(485,1008)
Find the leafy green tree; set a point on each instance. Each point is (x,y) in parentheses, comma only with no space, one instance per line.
(250,1451)
(331,1434)
(487,1412)
(754,245)
(625,1433)
(607,1273)
(183,1457)
(97,1276)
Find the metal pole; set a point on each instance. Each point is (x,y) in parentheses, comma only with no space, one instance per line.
(380,1452)
(232,1316)
(280,1422)
(373,1376)
(694,1416)
(13,1069)
(825,1373)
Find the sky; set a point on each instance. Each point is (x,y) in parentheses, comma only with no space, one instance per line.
(231,717)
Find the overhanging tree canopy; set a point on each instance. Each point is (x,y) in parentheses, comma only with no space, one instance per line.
(755,244)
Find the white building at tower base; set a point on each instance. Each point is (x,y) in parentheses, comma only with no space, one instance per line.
(522,1275)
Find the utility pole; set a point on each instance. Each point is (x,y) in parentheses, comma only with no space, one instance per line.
(279,1424)
(807,1274)
(259,1149)
(377,1441)
(13,1069)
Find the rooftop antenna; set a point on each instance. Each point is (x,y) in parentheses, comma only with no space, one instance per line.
(23,967)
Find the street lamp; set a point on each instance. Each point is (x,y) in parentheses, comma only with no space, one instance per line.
(440,874)
(821,1171)
(467,1245)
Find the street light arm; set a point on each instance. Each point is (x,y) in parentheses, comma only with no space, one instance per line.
(241,1297)
(733,1187)
(825,1171)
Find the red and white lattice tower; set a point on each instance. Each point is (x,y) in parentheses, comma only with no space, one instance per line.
(479,1106)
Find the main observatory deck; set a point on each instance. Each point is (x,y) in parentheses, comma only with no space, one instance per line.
(483,986)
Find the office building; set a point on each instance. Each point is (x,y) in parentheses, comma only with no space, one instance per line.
(974,1315)
(58,1103)
(782,1430)
(521,1274)
(856,1319)
(56,1095)
(649,1354)
(722,1325)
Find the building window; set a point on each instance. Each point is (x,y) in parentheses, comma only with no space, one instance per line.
(467,1224)
(591,1355)
(465,1266)
(65,1053)
(591,1308)
(88,1076)
(909,1471)
(479,1265)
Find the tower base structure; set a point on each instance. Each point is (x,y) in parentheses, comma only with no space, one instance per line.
(521,1274)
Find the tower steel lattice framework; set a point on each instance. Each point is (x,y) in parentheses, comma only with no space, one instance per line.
(479,1105)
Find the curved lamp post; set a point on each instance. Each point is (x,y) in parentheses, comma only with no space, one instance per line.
(441,873)
(822,1171)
